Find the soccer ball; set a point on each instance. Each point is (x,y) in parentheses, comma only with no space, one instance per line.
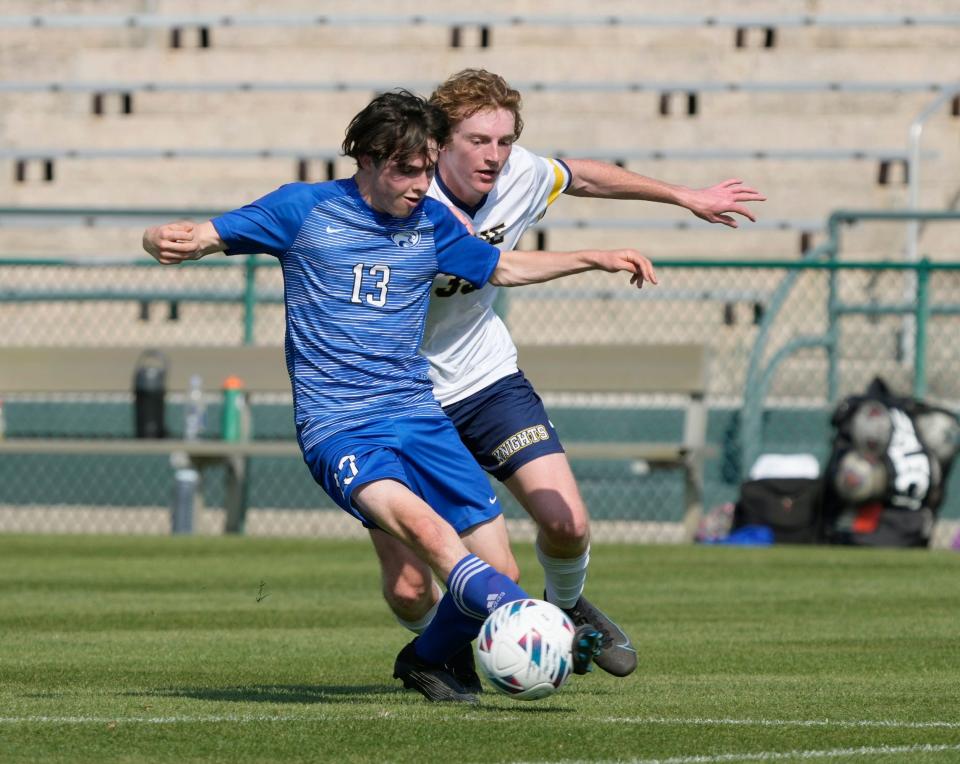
(525,648)
(860,477)
(871,427)
(940,433)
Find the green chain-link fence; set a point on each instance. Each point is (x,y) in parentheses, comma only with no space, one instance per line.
(787,340)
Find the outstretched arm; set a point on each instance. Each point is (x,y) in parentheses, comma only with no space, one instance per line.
(714,204)
(172,243)
(519,268)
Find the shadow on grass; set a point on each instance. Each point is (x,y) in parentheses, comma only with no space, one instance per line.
(275,693)
(522,707)
(302,693)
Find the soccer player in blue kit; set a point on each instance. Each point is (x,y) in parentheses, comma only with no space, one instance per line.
(359,256)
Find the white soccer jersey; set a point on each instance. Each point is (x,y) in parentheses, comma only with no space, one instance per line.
(466,343)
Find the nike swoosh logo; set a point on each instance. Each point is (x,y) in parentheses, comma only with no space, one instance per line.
(331,229)
(628,645)
(492,499)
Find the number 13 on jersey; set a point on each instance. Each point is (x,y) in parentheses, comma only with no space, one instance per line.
(377,298)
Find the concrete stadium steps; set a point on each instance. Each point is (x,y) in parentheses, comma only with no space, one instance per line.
(607,127)
(795,188)
(29,7)
(631,60)
(193,125)
(842,105)
(940,241)
(714,243)
(402,34)
(584,122)
(570,121)
(216,184)
(282,62)
(518,7)
(885,240)
(57,240)
(797,191)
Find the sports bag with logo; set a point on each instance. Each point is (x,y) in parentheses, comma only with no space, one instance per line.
(888,467)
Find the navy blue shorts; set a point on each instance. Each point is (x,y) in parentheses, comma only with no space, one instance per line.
(505,426)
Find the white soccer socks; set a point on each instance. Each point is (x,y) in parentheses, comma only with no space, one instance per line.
(565,577)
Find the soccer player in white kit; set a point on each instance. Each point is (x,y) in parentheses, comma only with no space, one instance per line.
(503,189)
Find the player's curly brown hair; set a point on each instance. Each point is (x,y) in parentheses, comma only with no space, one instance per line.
(465,93)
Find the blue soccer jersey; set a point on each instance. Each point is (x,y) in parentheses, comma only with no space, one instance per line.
(356,285)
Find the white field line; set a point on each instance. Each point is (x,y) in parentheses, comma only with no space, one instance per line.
(833,753)
(798,755)
(485,718)
(841,723)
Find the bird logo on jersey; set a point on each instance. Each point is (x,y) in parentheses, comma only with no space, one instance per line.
(405,239)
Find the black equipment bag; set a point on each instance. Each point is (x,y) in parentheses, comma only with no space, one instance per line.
(790,507)
(890,460)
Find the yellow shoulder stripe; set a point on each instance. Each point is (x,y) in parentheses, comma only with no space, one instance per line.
(558,182)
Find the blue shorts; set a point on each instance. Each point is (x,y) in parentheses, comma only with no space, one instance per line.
(423,453)
(505,426)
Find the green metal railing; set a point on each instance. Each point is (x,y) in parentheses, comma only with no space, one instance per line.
(824,257)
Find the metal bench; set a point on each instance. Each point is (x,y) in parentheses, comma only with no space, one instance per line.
(630,369)
(39,371)
(636,370)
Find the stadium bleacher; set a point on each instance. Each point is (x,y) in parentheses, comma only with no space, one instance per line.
(848,84)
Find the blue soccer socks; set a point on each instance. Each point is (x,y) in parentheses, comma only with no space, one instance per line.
(478,590)
(474,590)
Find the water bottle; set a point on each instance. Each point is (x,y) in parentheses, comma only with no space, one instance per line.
(186,483)
(195,413)
(235,422)
(149,391)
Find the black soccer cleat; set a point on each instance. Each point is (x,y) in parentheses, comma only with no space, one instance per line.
(434,682)
(617,655)
(586,647)
(464,670)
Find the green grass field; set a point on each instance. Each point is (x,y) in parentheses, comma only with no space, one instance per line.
(240,650)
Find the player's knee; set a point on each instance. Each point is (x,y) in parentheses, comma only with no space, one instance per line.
(410,597)
(569,532)
(511,570)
